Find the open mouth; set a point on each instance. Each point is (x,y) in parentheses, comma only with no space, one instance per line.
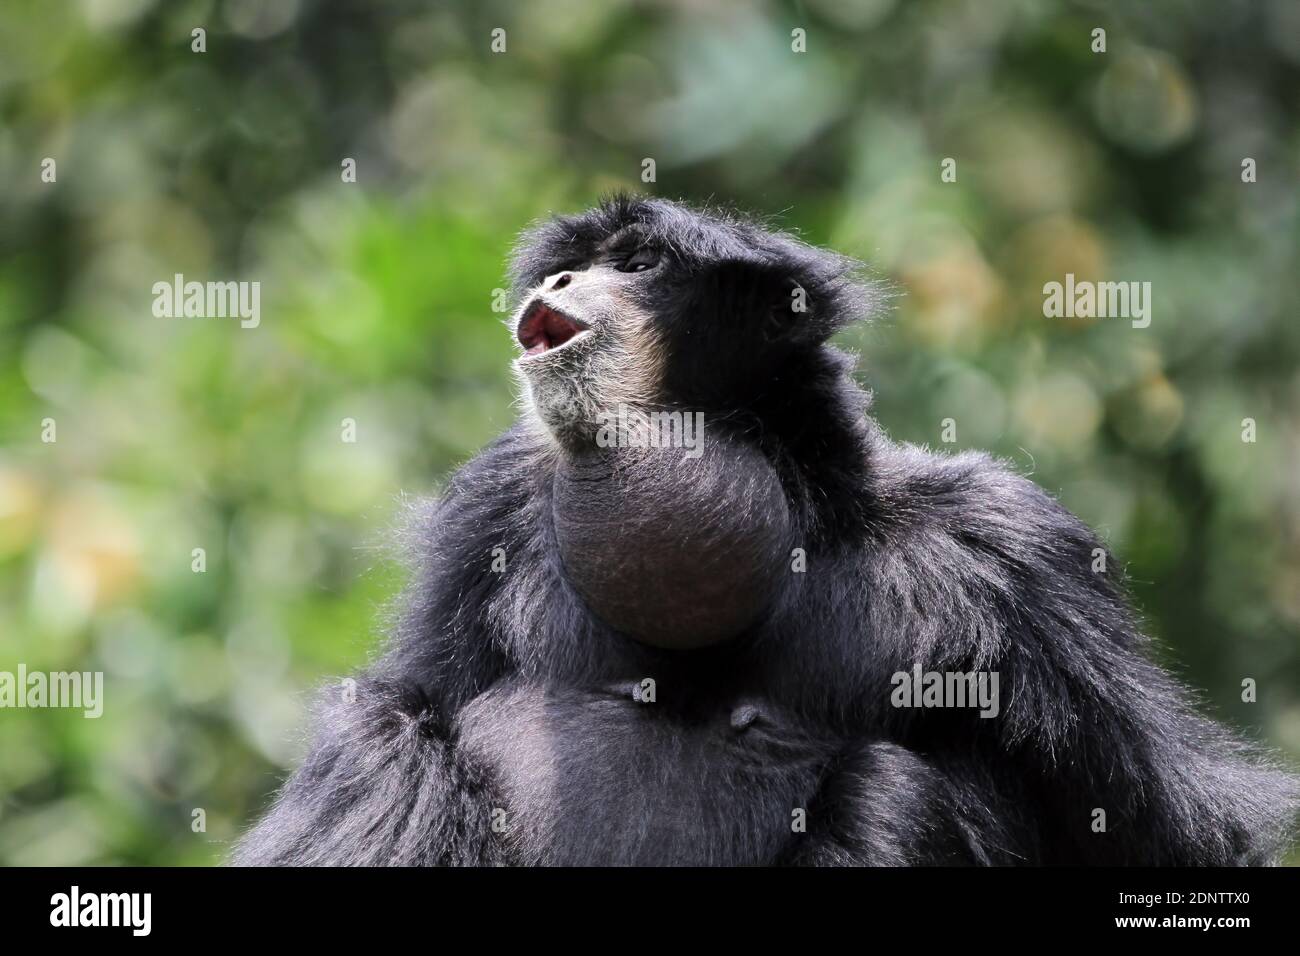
(543,328)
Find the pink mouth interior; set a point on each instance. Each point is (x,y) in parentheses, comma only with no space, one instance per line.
(543,328)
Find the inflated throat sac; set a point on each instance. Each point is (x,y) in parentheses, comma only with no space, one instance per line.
(672,550)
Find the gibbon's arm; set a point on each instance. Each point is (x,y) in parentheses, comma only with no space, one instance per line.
(383,782)
(987,570)
(383,785)
(885,805)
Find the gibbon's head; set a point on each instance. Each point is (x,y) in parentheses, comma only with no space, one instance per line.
(650,304)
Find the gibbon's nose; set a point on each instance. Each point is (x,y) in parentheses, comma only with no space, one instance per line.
(558,281)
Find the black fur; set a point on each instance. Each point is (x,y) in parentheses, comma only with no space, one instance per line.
(504,692)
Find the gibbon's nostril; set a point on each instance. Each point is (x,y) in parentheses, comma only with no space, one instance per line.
(563,279)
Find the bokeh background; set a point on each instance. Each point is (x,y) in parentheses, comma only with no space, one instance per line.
(174,434)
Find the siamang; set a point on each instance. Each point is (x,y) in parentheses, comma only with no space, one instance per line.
(621,649)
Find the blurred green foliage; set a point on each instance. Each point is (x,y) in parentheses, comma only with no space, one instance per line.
(174,434)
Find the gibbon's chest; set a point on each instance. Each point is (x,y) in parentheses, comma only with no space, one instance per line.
(598,777)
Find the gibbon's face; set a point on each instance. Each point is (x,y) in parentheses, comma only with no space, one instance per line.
(650,304)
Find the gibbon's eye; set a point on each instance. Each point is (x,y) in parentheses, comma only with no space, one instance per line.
(646,257)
